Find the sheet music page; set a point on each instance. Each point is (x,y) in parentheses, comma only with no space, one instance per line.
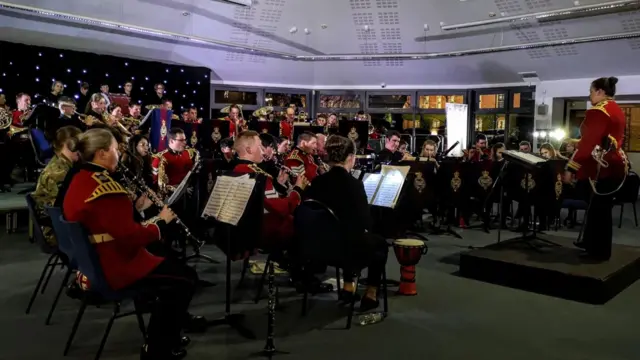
(229,199)
(177,194)
(371,183)
(390,186)
(356,174)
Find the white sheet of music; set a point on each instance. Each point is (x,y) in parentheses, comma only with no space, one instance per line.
(356,174)
(179,191)
(371,182)
(229,198)
(390,186)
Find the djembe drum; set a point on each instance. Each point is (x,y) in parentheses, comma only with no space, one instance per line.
(408,252)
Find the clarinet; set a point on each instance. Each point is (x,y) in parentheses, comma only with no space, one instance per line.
(138,185)
(269,347)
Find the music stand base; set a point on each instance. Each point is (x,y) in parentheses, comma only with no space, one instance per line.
(530,240)
(234,321)
(198,256)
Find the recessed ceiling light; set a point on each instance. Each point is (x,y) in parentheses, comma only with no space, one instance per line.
(186,13)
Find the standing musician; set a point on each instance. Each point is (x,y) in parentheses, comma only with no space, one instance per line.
(346,197)
(479,152)
(390,153)
(19,143)
(56,92)
(286,125)
(52,177)
(602,136)
(301,160)
(277,224)
(104,92)
(172,165)
(120,243)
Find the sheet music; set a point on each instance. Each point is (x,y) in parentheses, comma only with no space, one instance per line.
(177,194)
(371,182)
(389,190)
(229,199)
(356,174)
(144,120)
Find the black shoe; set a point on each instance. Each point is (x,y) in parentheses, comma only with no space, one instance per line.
(74,291)
(185,341)
(368,303)
(177,354)
(195,324)
(347,296)
(580,244)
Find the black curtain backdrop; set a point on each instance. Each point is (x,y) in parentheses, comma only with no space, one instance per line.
(33,70)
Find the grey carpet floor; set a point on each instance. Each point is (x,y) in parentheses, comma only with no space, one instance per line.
(451,318)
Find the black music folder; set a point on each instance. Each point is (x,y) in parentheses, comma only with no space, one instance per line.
(384,189)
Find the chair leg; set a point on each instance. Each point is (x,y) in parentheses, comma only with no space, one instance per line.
(384,291)
(64,282)
(262,280)
(140,319)
(635,214)
(44,272)
(338,287)
(245,266)
(305,296)
(53,264)
(621,212)
(116,311)
(76,323)
(352,307)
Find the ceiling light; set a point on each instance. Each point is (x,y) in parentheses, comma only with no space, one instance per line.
(185,13)
(237,2)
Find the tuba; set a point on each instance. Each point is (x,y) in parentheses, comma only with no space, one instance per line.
(6,118)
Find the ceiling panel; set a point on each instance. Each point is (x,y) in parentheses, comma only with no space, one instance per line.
(349,27)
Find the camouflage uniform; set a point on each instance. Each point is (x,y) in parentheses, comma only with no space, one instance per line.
(47,191)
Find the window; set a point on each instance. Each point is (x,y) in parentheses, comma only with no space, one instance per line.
(438,101)
(492,126)
(390,101)
(235,97)
(523,100)
(491,101)
(340,101)
(285,100)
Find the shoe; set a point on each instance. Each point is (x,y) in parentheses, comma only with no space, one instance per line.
(313,287)
(185,341)
(195,324)
(368,303)
(177,354)
(348,296)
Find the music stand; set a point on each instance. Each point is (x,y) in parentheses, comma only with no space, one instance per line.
(265,127)
(526,237)
(237,241)
(358,131)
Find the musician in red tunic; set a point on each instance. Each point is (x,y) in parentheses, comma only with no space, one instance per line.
(602,134)
(277,224)
(300,160)
(172,165)
(286,125)
(104,208)
(479,152)
(236,123)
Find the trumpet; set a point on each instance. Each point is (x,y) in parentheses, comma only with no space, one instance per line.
(137,185)
(129,121)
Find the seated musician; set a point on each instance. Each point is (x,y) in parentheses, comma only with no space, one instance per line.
(320,151)
(321,120)
(548,152)
(429,151)
(286,125)
(269,163)
(284,146)
(53,175)
(278,218)
(301,160)
(172,165)
(403,146)
(103,207)
(234,118)
(479,152)
(67,118)
(226,155)
(525,146)
(496,152)
(567,149)
(137,158)
(346,197)
(390,153)
(96,111)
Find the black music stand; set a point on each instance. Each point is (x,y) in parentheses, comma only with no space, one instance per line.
(526,237)
(473,175)
(448,166)
(265,127)
(236,242)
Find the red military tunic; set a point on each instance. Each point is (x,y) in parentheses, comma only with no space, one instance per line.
(475,155)
(602,121)
(301,163)
(170,168)
(104,208)
(277,223)
(16,124)
(286,129)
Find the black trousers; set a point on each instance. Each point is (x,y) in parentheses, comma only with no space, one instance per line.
(172,284)
(598,232)
(370,251)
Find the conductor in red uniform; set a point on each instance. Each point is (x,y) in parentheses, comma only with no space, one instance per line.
(603,128)
(301,160)
(101,205)
(278,216)
(172,165)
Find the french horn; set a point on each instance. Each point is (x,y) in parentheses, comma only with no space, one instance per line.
(5,118)
(263,111)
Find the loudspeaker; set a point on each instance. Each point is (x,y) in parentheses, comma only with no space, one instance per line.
(543,109)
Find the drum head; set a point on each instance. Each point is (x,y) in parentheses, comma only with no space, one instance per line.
(409,242)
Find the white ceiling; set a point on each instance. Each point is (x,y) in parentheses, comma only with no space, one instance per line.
(395,26)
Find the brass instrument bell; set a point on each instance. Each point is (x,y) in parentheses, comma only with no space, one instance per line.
(263,111)
(227,109)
